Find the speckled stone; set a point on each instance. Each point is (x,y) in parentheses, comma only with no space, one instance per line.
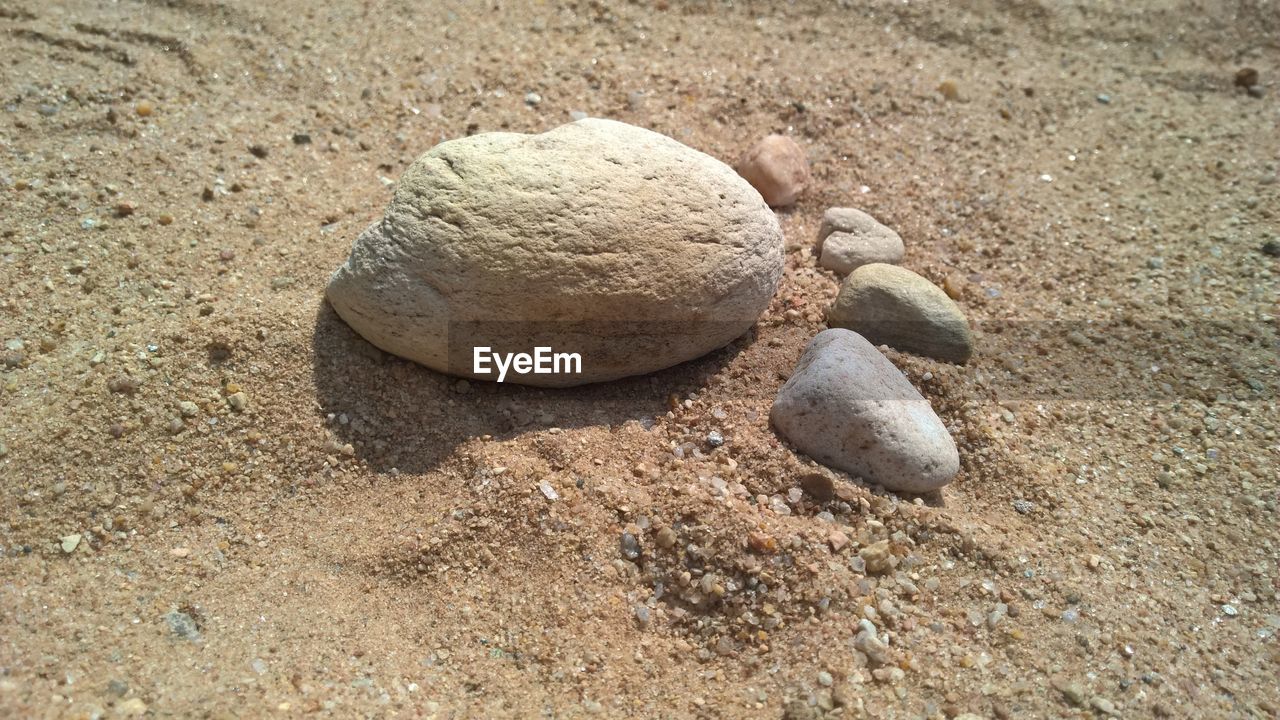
(848,407)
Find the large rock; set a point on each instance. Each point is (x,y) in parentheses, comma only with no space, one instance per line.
(850,238)
(848,407)
(596,238)
(893,306)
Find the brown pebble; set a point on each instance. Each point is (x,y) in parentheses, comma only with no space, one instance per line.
(258,151)
(819,486)
(144,109)
(122,384)
(953,286)
(125,209)
(762,543)
(777,168)
(165,219)
(1247,77)
(949,90)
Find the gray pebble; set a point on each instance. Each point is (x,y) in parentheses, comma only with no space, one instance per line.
(630,546)
(848,407)
(850,238)
(182,625)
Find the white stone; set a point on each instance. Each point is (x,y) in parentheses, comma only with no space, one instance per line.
(850,238)
(597,238)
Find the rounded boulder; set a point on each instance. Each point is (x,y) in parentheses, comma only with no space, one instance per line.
(597,238)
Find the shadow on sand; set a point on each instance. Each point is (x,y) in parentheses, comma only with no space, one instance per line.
(398,414)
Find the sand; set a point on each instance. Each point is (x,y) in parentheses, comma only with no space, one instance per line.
(366,538)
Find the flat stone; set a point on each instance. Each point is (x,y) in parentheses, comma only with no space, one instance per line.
(776,167)
(848,407)
(850,238)
(893,306)
(596,238)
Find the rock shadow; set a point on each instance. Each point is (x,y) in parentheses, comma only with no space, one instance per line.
(398,414)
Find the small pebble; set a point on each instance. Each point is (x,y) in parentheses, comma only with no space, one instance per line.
(547,491)
(629,545)
(762,542)
(1247,77)
(238,401)
(532,99)
(1073,693)
(775,166)
(819,486)
(144,109)
(949,90)
(849,238)
(876,651)
(1103,705)
(301,139)
(953,286)
(877,557)
(715,438)
(188,409)
(70,542)
(182,625)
